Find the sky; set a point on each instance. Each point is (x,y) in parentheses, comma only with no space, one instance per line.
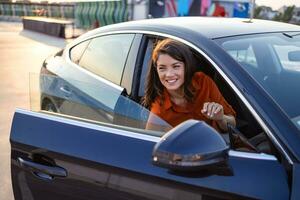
(276,4)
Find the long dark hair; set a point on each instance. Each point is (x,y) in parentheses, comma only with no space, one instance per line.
(178,51)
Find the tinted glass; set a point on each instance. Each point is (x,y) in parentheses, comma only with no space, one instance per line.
(106,56)
(84,101)
(273,60)
(245,56)
(77,51)
(286,53)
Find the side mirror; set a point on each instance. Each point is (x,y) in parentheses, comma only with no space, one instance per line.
(190,146)
(294,56)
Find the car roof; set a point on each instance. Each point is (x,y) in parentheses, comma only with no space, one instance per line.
(210,27)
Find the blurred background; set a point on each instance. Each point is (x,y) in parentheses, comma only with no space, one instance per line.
(30,31)
(91,14)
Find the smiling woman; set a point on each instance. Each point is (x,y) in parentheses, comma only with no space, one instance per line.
(176,92)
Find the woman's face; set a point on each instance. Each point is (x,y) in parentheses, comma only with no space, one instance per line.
(170,72)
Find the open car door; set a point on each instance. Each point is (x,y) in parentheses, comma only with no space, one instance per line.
(58,156)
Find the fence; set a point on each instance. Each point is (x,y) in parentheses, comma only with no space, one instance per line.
(37,9)
(85,14)
(88,14)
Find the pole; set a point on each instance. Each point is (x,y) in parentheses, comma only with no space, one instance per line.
(252,10)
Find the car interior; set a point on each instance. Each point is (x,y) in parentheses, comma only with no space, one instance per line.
(248,134)
(276,75)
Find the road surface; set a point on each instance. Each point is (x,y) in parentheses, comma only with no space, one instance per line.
(21,53)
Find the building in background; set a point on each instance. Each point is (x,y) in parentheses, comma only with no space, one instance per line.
(93,14)
(288,14)
(296,15)
(220,8)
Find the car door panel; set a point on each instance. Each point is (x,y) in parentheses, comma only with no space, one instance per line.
(85,180)
(99,158)
(296,182)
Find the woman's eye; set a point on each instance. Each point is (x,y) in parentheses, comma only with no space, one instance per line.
(176,66)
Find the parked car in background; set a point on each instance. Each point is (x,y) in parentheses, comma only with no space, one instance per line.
(89,138)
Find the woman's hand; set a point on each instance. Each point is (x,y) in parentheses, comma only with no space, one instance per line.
(213,111)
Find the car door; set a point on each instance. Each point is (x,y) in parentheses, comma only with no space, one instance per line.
(45,171)
(54,157)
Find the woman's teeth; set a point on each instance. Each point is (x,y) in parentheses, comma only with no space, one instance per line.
(171,81)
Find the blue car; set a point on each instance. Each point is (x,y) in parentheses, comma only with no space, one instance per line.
(87,137)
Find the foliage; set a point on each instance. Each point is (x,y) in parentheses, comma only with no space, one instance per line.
(257,11)
(286,16)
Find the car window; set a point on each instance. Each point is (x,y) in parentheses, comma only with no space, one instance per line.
(283,52)
(106,56)
(74,98)
(247,126)
(244,56)
(77,51)
(278,66)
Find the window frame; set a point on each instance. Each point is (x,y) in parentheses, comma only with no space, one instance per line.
(90,39)
(232,83)
(70,51)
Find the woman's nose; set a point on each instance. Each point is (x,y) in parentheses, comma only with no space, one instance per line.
(170,72)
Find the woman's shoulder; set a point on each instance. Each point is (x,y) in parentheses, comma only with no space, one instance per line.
(156,105)
(200,78)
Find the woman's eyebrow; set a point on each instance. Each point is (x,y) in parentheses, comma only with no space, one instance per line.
(175,63)
(178,62)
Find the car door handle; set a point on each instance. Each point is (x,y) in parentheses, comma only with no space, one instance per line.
(43,171)
(66,90)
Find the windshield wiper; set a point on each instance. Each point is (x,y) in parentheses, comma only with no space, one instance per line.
(289,35)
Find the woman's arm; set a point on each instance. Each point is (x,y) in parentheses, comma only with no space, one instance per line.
(227,119)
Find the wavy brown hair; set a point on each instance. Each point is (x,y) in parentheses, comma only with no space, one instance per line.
(178,51)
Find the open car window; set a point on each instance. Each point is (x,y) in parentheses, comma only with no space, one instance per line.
(94,102)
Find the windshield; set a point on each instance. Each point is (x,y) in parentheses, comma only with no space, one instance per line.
(273,60)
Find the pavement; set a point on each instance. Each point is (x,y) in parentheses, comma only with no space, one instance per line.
(21,53)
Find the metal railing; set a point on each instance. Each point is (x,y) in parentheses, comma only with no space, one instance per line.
(93,14)
(65,10)
(85,14)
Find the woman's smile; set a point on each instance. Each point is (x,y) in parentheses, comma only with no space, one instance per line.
(171,80)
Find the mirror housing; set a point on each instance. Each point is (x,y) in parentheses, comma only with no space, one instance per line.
(190,146)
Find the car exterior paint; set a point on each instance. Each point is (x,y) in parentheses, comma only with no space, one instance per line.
(112,162)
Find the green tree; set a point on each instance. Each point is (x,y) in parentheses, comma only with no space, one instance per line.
(278,17)
(286,16)
(257,12)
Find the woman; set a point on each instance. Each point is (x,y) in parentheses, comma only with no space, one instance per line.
(176,92)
